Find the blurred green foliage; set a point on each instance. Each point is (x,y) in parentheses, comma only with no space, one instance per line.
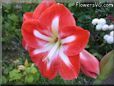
(29,75)
(14,54)
(106,67)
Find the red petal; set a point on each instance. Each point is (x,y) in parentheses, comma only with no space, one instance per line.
(48,73)
(70,73)
(42,65)
(65,16)
(24,44)
(42,7)
(80,42)
(27,15)
(89,64)
(27,31)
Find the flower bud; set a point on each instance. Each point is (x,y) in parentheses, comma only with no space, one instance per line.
(89,64)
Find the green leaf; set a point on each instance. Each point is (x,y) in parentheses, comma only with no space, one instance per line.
(13,17)
(3,80)
(29,79)
(14,75)
(106,59)
(33,70)
(28,70)
(106,67)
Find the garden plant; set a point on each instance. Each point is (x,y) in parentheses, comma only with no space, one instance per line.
(60,43)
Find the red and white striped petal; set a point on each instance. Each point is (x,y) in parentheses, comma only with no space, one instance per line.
(54,12)
(89,64)
(34,34)
(52,52)
(27,16)
(45,48)
(69,66)
(74,39)
(42,7)
(48,72)
(47,67)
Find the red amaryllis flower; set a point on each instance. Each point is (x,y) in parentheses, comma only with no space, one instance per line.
(55,43)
